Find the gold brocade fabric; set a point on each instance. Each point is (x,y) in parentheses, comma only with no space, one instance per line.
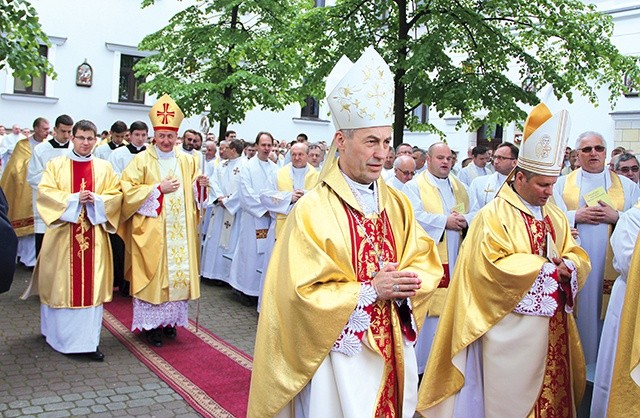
(624,395)
(285,183)
(19,193)
(146,259)
(494,270)
(432,203)
(571,197)
(311,287)
(54,269)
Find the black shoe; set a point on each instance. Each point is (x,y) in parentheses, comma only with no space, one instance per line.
(246,300)
(154,337)
(170,332)
(96,355)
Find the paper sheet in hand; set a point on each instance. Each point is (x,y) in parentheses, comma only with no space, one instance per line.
(594,196)
(459,208)
(552,250)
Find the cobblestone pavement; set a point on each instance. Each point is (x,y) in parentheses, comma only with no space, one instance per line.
(36,381)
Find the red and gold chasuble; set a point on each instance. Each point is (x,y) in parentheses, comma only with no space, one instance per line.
(555,397)
(82,240)
(369,248)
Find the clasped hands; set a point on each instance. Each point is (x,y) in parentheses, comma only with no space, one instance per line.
(564,274)
(603,213)
(85,196)
(390,283)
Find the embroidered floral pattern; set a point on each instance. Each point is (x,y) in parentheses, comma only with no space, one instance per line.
(539,300)
(151,205)
(349,341)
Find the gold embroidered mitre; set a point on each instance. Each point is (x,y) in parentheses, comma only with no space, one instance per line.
(545,137)
(360,94)
(166,115)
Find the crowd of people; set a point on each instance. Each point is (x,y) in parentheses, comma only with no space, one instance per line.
(481,287)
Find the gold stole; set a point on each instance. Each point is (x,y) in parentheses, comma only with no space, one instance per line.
(285,183)
(571,197)
(19,193)
(82,239)
(432,203)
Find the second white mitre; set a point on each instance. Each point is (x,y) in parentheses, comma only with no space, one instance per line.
(360,94)
(544,140)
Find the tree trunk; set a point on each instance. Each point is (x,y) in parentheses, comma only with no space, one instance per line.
(400,89)
(228,91)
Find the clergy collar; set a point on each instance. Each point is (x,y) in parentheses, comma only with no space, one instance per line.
(363,188)
(588,174)
(187,151)
(134,150)
(164,155)
(113,145)
(299,170)
(437,179)
(74,156)
(55,144)
(536,211)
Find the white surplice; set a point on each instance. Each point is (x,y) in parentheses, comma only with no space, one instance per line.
(483,189)
(594,239)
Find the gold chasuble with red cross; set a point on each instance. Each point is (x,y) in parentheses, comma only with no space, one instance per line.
(74,269)
(325,255)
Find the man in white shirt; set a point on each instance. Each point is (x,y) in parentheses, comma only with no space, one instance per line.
(484,188)
(595,224)
(118,133)
(477,167)
(121,157)
(42,153)
(256,176)
(420,157)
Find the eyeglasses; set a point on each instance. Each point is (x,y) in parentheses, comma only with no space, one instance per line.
(406,173)
(598,148)
(633,168)
(500,157)
(85,138)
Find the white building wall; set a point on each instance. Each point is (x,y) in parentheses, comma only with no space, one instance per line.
(99,31)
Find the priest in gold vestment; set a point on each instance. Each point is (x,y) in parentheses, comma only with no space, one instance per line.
(160,228)
(507,344)
(346,289)
(79,200)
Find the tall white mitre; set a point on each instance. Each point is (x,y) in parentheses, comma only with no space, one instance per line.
(545,138)
(360,94)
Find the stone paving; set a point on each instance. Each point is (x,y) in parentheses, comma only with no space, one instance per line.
(36,381)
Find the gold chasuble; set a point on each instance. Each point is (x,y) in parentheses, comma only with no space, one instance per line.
(74,269)
(285,183)
(327,248)
(432,203)
(19,193)
(624,397)
(571,197)
(500,259)
(161,263)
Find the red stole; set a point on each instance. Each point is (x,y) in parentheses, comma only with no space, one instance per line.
(366,263)
(555,397)
(82,241)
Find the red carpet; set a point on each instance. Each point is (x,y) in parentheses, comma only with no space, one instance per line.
(211,375)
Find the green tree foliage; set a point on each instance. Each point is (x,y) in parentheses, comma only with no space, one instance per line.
(20,41)
(564,43)
(226,58)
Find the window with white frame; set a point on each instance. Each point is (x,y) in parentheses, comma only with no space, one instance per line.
(38,83)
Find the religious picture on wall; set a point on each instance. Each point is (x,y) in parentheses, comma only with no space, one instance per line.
(84,75)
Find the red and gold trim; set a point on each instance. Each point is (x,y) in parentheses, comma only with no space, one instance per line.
(82,241)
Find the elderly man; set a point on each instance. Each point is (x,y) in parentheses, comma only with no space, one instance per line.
(9,143)
(420,157)
(626,164)
(404,168)
(161,231)
(477,167)
(506,344)
(19,193)
(350,274)
(593,198)
(484,188)
(316,156)
(79,200)
(441,205)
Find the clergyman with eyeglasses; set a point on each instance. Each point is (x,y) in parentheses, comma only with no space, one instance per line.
(404,168)
(626,164)
(593,197)
(484,188)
